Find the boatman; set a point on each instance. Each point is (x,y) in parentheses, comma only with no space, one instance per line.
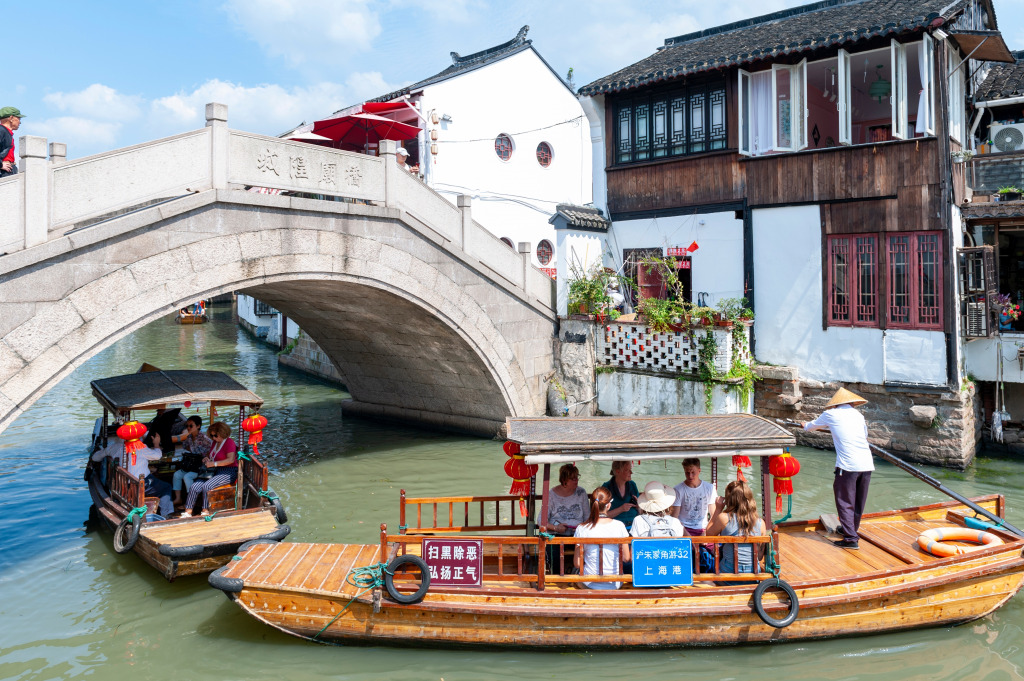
(853,460)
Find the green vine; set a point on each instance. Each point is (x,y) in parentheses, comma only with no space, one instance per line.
(707,348)
(287,350)
(739,368)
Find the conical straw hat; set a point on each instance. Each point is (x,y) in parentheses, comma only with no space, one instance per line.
(844,396)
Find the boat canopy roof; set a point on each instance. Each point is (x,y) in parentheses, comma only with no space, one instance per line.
(607,438)
(169,389)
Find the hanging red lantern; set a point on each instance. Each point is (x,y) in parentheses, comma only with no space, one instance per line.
(741,462)
(782,467)
(132,434)
(517,469)
(254,425)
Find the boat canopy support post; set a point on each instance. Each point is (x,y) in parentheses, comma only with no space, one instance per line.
(240,482)
(531,504)
(714,472)
(545,490)
(766,497)
(103,434)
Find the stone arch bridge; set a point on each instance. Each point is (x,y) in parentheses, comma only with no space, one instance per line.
(429,317)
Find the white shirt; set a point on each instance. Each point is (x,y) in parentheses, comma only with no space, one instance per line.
(656,526)
(850,435)
(609,552)
(693,503)
(142,458)
(569,511)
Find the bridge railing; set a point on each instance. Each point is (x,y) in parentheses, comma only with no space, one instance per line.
(51,196)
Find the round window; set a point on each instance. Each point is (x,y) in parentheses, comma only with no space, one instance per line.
(544,154)
(508,242)
(544,252)
(503,146)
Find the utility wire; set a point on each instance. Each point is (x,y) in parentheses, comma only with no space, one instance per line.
(491,139)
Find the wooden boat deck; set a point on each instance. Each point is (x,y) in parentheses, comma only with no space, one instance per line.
(222,529)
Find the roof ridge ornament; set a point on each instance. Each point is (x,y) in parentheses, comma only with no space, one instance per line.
(518,41)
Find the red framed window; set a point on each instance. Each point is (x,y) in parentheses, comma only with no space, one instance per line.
(544,252)
(544,154)
(853,280)
(503,146)
(914,277)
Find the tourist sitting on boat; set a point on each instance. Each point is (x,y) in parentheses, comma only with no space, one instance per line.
(567,503)
(197,445)
(600,525)
(695,499)
(155,487)
(735,515)
(221,464)
(624,493)
(656,520)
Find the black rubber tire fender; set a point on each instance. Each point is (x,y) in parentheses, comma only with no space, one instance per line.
(123,543)
(253,542)
(794,603)
(389,580)
(279,512)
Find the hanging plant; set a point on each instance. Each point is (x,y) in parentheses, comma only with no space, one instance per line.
(707,349)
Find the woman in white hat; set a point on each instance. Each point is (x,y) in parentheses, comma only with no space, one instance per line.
(853,460)
(655,521)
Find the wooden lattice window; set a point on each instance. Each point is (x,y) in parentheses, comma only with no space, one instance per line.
(853,280)
(690,120)
(544,252)
(503,146)
(544,154)
(914,299)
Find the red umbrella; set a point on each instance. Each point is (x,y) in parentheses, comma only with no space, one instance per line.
(363,128)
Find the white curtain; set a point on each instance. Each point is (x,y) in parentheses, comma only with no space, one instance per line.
(760,112)
(923,64)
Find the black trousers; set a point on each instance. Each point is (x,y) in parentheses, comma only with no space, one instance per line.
(851,492)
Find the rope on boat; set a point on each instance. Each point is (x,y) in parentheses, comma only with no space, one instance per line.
(139,511)
(770,560)
(208,518)
(268,495)
(363,578)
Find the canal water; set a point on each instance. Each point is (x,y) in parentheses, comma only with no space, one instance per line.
(72,608)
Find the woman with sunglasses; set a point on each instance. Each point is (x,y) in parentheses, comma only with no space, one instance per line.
(197,446)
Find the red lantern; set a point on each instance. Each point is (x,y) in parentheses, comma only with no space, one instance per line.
(132,432)
(254,425)
(782,467)
(517,469)
(741,462)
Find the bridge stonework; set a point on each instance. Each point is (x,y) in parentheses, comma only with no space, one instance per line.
(426,320)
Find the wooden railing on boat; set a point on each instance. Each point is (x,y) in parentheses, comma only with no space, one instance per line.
(527,556)
(252,479)
(459,515)
(126,489)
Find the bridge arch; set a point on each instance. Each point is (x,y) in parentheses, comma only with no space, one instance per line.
(421,330)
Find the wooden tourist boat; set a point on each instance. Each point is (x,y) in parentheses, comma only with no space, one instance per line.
(241,512)
(193,314)
(319,591)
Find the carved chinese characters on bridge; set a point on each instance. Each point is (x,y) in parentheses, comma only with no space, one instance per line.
(305,168)
(298,168)
(353,175)
(454,562)
(329,175)
(266,161)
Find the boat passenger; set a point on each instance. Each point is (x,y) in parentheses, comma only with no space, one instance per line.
(600,525)
(735,515)
(567,503)
(155,487)
(221,462)
(624,493)
(695,499)
(197,446)
(656,520)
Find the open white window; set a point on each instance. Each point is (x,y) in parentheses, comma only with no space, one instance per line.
(800,103)
(926,107)
(787,113)
(900,121)
(743,111)
(845,117)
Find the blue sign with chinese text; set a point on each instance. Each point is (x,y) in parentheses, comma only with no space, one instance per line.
(659,561)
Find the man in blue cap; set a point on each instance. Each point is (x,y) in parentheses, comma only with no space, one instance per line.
(10,120)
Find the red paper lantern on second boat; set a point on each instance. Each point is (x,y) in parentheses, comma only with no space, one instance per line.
(782,467)
(741,461)
(254,425)
(132,434)
(517,469)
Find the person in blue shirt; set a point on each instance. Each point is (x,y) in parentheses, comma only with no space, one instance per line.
(624,493)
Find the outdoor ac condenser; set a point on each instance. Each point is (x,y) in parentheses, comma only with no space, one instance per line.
(1007,137)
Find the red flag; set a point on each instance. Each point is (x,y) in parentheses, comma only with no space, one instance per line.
(692,247)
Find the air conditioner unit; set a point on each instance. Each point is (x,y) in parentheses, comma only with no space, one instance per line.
(1007,137)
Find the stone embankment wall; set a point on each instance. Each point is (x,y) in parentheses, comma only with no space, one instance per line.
(928,426)
(305,355)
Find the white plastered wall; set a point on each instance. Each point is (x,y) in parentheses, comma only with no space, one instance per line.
(788,324)
(521,97)
(575,251)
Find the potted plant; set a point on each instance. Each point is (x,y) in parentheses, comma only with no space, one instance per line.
(1008,311)
(588,290)
(1009,193)
(705,316)
(657,313)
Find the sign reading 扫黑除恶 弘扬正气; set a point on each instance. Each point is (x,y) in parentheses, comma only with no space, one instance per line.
(661,561)
(454,562)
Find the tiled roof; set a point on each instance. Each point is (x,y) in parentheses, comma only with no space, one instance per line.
(462,64)
(792,31)
(581,217)
(1003,80)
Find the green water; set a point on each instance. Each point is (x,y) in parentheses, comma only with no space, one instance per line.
(72,608)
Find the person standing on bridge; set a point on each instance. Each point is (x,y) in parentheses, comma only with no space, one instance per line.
(853,460)
(10,120)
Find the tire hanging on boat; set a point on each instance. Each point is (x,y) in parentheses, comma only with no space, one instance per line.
(794,604)
(279,513)
(389,579)
(127,533)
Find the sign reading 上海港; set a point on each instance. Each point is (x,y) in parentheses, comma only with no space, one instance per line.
(454,562)
(659,561)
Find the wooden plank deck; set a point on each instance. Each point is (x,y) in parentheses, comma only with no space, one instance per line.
(223,528)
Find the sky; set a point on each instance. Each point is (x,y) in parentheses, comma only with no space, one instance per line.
(110,73)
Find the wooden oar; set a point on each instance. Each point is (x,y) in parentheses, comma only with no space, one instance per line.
(924,477)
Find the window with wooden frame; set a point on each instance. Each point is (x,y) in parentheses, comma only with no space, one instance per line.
(689,120)
(852,280)
(914,280)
